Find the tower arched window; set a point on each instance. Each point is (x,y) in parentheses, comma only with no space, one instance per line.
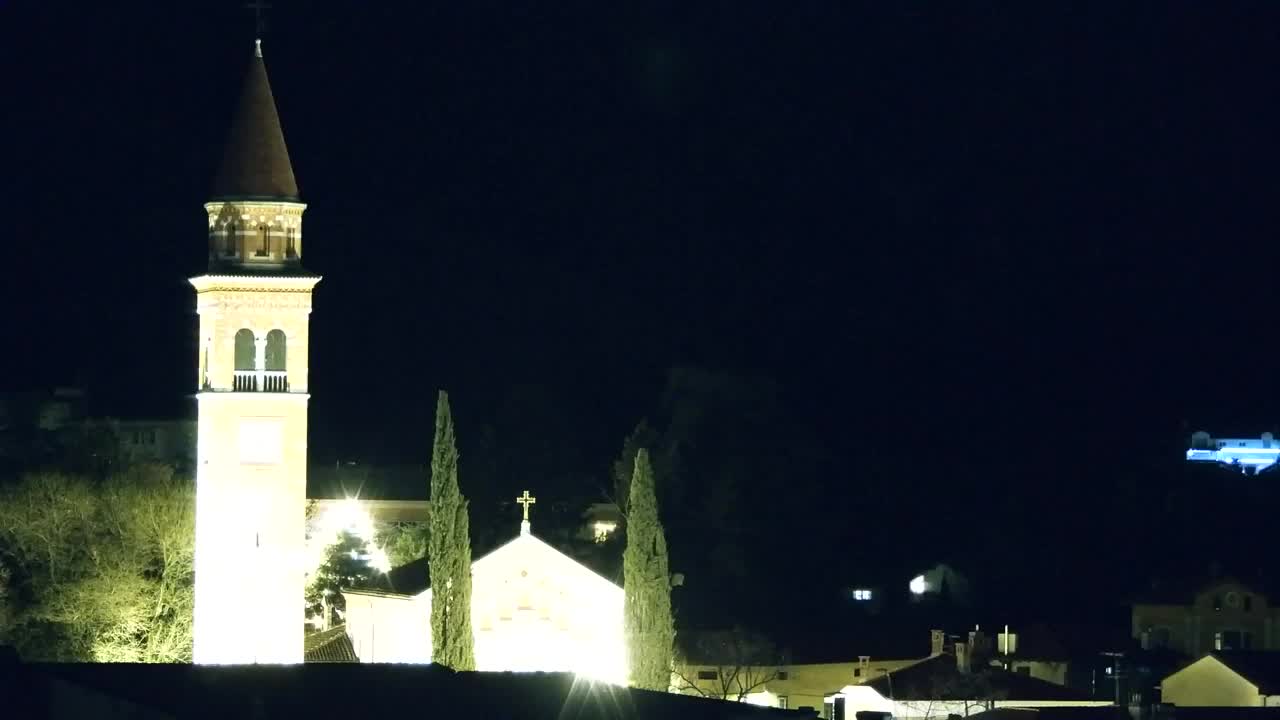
(275,350)
(246,361)
(290,250)
(264,240)
(229,247)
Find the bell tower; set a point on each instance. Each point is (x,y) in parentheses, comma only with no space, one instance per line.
(254,305)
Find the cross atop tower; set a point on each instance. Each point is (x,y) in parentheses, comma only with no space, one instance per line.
(525,501)
(259,24)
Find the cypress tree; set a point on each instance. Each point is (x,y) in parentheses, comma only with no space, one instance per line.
(649,629)
(449,552)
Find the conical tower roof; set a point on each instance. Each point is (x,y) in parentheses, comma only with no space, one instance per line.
(255,165)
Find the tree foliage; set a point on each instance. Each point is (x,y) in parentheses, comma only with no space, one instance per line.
(100,571)
(404,542)
(449,552)
(344,565)
(743,662)
(649,629)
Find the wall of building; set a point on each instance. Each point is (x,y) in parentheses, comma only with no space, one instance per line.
(1193,629)
(389,629)
(796,685)
(1208,682)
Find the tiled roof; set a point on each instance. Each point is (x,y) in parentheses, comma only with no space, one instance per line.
(255,164)
(1260,667)
(329,646)
(938,678)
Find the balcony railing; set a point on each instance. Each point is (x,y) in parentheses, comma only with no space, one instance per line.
(261,381)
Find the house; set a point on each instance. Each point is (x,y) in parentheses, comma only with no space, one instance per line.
(1250,455)
(949,683)
(739,665)
(1226,679)
(193,692)
(172,442)
(1225,614)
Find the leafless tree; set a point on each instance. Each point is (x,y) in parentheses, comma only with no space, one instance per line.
(728,665)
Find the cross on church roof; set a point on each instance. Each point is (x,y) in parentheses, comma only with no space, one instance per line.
(526,500)
(257,6)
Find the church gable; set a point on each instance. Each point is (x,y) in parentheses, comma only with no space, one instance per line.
(533,608)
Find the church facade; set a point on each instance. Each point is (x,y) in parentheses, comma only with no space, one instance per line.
(532,609)
(254,304)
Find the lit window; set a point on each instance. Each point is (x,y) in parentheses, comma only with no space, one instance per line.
(861,595)
(602,528)
(918,585)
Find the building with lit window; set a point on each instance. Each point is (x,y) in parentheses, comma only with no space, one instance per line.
(1226,614)
(1249,455)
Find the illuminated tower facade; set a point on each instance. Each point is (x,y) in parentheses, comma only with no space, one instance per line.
(254,305)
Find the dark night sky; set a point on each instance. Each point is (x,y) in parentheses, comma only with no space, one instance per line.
(994,248)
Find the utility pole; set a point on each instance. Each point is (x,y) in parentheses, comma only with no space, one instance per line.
(1115,671)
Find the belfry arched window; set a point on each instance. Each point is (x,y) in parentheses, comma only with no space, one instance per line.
(290,250)
(246,360)
(264,240)
(229,248)
(275,350)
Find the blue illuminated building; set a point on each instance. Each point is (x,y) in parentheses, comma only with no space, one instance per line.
(1251,455)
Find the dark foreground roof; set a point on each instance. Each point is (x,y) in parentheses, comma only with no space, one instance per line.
(1112,712)
(340,691)
(938,678)
(1260,667)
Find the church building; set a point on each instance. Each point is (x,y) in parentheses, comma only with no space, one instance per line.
(533,608)
(254,304)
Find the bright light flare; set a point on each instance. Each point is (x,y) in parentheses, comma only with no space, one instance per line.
(918,586)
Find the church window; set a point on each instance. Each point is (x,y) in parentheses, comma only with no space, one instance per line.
(264,236)
(275,350)
(245,379)
(245,349)
(708,675)
(229,247)
(289,249)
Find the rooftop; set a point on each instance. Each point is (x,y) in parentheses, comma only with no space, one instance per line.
(255,164)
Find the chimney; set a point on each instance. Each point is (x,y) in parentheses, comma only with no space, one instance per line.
(937,640)
(962,657)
